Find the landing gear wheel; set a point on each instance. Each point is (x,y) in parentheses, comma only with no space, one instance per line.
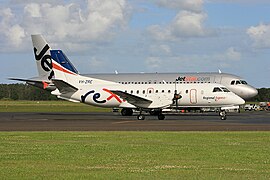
(161,117)
(126,112)
(140,117)
(222,115)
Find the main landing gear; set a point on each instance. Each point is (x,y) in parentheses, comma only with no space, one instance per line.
(158,113)
(142,117)
(222,114)
(126,112)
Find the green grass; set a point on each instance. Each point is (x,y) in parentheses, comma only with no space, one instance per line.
(48,106)
(134,155)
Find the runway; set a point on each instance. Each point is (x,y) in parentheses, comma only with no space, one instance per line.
(246,121)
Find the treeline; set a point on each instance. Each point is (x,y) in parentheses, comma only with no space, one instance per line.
(263,95)
(24,92)
(27,92)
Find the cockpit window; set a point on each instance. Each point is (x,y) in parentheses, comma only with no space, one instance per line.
(225,89)
(243,82)
(236,82)
(217,89)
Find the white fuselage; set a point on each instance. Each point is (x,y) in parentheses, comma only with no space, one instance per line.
(192,95)
(234,83)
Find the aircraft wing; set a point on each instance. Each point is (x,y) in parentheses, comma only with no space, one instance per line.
(133,99)
(64,87)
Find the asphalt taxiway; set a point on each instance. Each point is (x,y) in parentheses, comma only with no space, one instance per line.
(246,121)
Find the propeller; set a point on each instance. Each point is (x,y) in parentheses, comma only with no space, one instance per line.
(176,96)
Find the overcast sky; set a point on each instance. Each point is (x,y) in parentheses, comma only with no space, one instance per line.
(101,36)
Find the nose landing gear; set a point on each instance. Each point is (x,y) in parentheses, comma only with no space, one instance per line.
(223,115)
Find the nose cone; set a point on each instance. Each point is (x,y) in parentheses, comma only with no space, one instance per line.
(249,92)
(244,91)
(237,100)
(240,101)
(253,92)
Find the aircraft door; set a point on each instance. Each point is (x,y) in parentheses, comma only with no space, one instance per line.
(193,96)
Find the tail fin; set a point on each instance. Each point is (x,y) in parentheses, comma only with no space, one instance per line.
(43,57)
(62,59)
(65,72)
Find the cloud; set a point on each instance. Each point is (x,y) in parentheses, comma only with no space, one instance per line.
(239,1)
(95,21)
(185,24)
(160,49)
(233,54)
(194,62)
(190,5)
(153,62)
(260,35)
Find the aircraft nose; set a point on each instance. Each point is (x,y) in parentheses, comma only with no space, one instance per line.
(250,92)
(253,92)
(241,101)
(238,100)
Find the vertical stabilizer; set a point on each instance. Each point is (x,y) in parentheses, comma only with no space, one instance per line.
(43,57)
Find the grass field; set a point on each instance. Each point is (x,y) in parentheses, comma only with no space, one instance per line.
(134,155)
(48,106)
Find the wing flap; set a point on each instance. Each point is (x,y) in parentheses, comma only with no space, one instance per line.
(133,99)
(64,87)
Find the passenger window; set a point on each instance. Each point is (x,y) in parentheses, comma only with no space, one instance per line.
(217,89)
(169,91)
(138,91)
(232,83)
(131,91)
(162,91)
(186,91)
(143,91)
(156,91)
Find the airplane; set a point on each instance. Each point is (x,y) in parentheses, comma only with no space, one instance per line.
(42,49)
(63,80)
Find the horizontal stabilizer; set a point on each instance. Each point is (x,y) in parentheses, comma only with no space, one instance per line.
(132,99)
(37,83)
(64,87)
(27,80)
